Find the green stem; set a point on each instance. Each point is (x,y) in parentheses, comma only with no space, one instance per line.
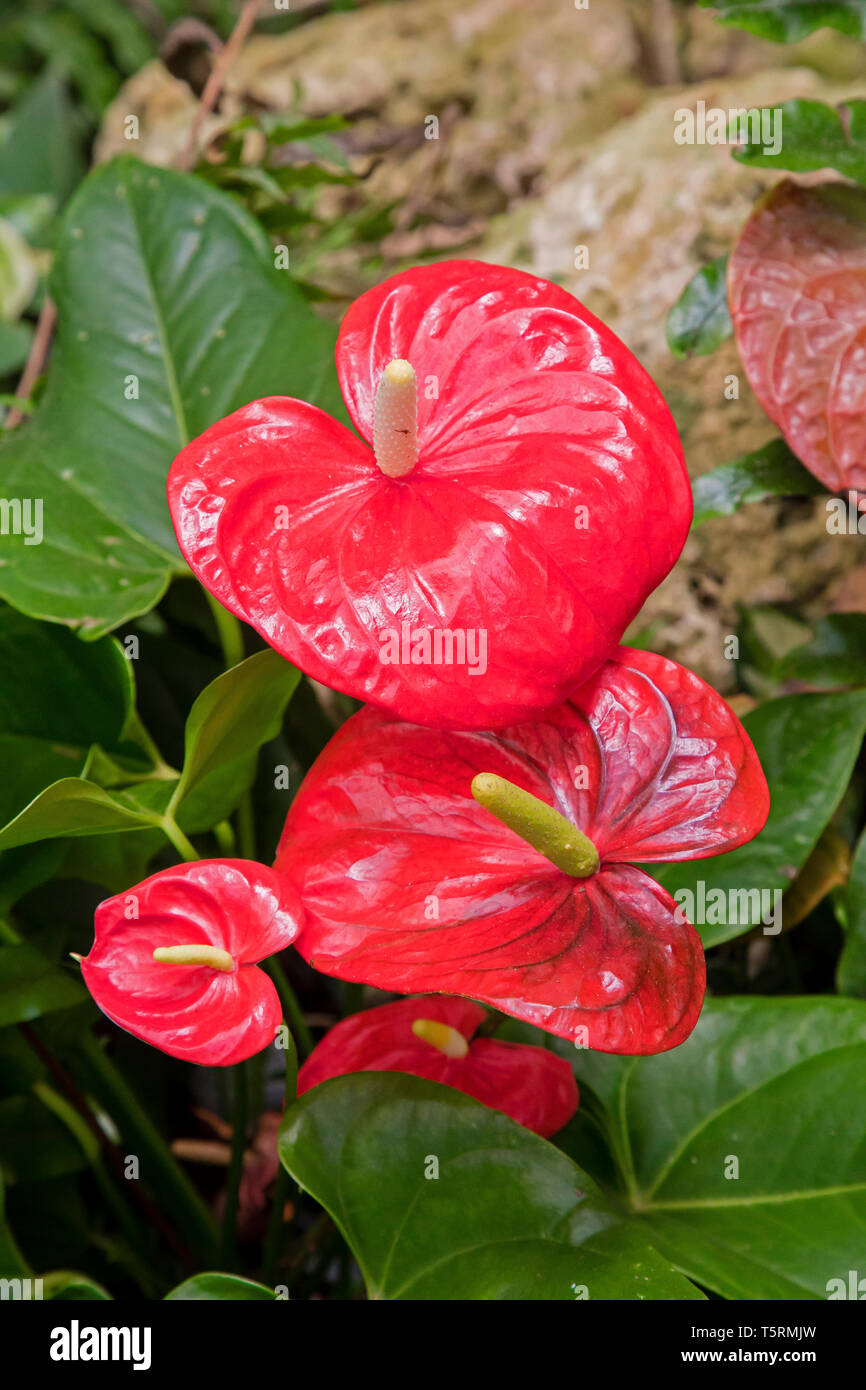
(160,1170)
(225,838)
(185,848)
(229,631)
(283,1185)
(236,1165)
(231,639)
(89,1145)
(246,827)
(538,824)
(291,1007)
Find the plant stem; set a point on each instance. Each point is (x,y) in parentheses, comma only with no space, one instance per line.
(283,1184)
(160,1170)
(229,632)
(225,837)
(291,1008)
(236,1165)
(246,827)
(214,85)
(90,1148)
(185,848)
(231,639)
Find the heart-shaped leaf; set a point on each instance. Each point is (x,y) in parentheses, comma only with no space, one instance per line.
(170,314)
(808,745)
(743,1151)
(441,1198)
(797,284)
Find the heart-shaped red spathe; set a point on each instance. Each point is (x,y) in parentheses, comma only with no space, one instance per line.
(409,884)
(535,1087)
(797,285)
(212,1016)
(549,499)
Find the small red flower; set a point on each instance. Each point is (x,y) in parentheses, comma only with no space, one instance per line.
(174,959)
(431,1036)
(423,864)
(525,491)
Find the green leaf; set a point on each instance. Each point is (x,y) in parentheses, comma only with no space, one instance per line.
(164,287)
(12,1263)
(808,745)
(40,152)
(851,970)
(220,1287)
(788,21)
(30,985)
(58,698)
(68,1286)
(15,341)
(230,721)
(25,868)
(508,1217)
(700,319)
(76,807)
(813,136)
(771,471)
(834,655)
(34,1146)
(780,1086)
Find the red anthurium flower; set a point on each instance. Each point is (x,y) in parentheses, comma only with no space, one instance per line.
(174,959)
(462,571)
(432,1036)
(497,866)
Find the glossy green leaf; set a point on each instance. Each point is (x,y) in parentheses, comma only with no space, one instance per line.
(12,1263)
(58,698)
(779,1086)
(74,807)
(834,655)
(700,319)
(25,868)
(229,722)
(220,1287)
(40,152)
(851,971)
(30,985)
(171,315)
(814,136)
(68,1286)
(508,1217)
(771,471)
(788,21)
(34,1145)
(808,745)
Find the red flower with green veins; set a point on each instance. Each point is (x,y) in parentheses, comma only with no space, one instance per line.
(499,866)
(174,959)
(432,1036)
(517,491)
